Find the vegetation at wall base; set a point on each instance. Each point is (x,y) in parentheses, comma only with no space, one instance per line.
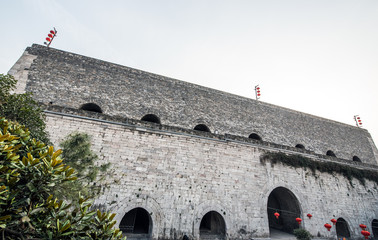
(29,170)
(298,161)
(302,234)
(77,153)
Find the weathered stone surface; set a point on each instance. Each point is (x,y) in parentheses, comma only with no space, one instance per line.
(71,80)
(177,174)
(179,178)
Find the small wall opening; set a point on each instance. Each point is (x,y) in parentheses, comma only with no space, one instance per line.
(342,228)
(92,107)
(212,226)
(283,201)
(255,137)
(151,118)
(330,153)
(374,228)
(300,146)
(136,224)
(202,128)
(356,159)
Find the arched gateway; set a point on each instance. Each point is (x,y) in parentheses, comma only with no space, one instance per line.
(136,224)
(342,228)
(212,226)
(283,201)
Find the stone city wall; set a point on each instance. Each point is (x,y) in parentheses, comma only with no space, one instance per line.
(70,80)
(179,177)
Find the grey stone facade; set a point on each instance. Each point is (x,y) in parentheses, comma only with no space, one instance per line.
(178,175)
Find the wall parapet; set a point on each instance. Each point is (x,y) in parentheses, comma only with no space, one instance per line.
(153,127)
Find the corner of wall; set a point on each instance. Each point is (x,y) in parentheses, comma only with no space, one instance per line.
(20,71)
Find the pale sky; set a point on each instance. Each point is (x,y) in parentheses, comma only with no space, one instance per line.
(315,56)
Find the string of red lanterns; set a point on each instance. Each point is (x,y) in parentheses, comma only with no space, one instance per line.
(257,92)
(358,121)
(50,37)
(328,226)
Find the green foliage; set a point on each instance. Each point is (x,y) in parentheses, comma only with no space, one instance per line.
(302,234)
(29,170)
(298,161)
(78,154)
(21,108)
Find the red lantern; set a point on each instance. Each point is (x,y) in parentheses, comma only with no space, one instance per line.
(50,35)
(365,233)
(299,220)
(309,216)
(48,39)
(363,226)
(52,32)
(328,226)
(277,215)
(334,221)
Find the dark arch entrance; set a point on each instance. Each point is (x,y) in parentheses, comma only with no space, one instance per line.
(151,118)
(374,228)
(136,224)
(342,228)
(255,137)
(202,128)
(283,201)
(92,107)
(212,226)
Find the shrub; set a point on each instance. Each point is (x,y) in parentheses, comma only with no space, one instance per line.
(302,234)
(29,170)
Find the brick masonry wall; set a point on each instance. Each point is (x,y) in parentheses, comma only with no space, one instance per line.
(178,178)
(71,80)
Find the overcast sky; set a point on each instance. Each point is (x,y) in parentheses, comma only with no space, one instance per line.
(314,56)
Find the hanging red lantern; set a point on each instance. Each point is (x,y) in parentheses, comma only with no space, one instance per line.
(50,35)
(52,32)
(277,215)
(363,226)
(299,220)
(365,233)
(334,221)
(48,39)
(328,226)
(309,216)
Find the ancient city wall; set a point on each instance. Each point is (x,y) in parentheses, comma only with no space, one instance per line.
(70,80)
(179,177)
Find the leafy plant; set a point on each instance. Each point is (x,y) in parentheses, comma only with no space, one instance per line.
(29,170)
(298,161)
(21,108)
(302,234)
(77,153)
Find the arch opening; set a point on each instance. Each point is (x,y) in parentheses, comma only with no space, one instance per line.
(92,107)
(374,228)
(300,146)
(255,137)
(136,224)
(151,118)
(202,128)
(283,201)
(356,159)
(330,153)
(342,228)
(212,226)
